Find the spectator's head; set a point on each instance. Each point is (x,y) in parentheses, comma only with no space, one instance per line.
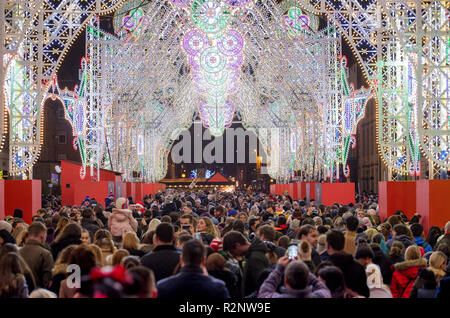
(194,254)
(416,229)
(253,223)
(236,243)
(71,231)
(438,260)
(37,231)
(399,229)
(85,236)
(18,213)
(188,223)
(130,262)
(182,238)
(335,241)
(130,241)
(42,293)
(284,241)
(88,214)
(83,256)
(144,281)
(364,255)
(163,235)
(309,233)
(296,275)
(118,256)
(412,253)
(333,278)
(266,233)
(351,223)
(166,219)
(215,262)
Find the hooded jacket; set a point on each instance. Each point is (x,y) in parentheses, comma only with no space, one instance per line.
(354,273)
(420,242)
(255,262)
(404,277)
(405,239)
(315,288)
(121,219)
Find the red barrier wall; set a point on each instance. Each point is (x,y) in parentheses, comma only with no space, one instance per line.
(131,189)
(2,199)
(343,193)
(312,189)
(70,175)
(93,189)
(23,194)
(396,195)
(431,203)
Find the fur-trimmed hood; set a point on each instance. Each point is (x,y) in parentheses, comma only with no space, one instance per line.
(402,266)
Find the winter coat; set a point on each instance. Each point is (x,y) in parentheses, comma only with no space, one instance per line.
(315,288)
(230,280)
(405,239)
(191,283)
(40,261)
(404,277)
(354,273)
(350,243)
(121,221)
(162,261)
(315,257)
(385,264)
(255,262)
(424,287)
(57,247)
(420,242)
(235,267)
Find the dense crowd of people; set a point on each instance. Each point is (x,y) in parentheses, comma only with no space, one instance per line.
(206,245)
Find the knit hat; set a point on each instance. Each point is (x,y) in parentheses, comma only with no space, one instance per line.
(18,213)
(121,203)
(140,205)
(216,244)
(5,226)
(232,212)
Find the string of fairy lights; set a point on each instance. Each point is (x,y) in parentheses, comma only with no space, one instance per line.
(279,66)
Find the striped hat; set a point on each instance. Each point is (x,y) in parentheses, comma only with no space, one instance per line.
(216,244)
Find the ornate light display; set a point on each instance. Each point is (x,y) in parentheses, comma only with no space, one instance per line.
(276,66)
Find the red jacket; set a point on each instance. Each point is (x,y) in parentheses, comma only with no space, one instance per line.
(404,276)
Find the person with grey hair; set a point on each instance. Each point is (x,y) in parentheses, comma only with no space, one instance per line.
(298,282)
(5,226)
(445,238)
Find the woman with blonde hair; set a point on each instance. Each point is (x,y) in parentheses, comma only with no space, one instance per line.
(406,272)
(130,242)
(42,293)
(438,264)
(62,223)
(207,230)
(103,239)
(118,256)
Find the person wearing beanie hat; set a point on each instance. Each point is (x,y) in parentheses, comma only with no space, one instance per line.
(232,212)
(18,213)
(5,226)
(216,244)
